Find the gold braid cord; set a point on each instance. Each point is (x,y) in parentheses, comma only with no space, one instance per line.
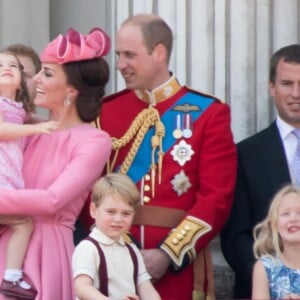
(136,132)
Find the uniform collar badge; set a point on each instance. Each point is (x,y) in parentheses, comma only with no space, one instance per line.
(160,93)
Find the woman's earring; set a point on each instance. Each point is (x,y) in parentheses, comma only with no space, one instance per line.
(67,101)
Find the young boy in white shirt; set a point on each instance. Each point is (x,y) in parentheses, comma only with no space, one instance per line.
(124,277)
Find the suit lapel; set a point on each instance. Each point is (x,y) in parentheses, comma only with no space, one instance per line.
(273,158)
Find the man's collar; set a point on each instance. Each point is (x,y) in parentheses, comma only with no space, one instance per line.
(159,94)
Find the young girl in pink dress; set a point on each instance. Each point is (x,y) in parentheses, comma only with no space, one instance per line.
(60,169)
(15,108)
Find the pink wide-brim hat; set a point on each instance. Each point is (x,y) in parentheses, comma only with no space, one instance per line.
(75,47)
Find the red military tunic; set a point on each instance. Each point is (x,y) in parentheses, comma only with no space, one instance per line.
(201,184)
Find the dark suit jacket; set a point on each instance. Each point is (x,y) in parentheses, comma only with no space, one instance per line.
(262,171)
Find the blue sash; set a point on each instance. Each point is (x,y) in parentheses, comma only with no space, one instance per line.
(142,161)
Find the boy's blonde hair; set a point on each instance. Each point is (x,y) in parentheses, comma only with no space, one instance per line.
(115,183)
(267,240)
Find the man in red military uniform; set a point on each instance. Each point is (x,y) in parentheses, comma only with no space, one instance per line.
(177,145)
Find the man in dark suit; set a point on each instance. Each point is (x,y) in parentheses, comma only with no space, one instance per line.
(263,167)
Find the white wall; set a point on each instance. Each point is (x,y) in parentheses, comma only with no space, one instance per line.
(24,22)
(221,46)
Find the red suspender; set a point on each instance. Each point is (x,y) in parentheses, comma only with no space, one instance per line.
(135,264)
(103,269)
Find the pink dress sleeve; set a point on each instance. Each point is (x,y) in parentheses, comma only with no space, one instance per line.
(58,170)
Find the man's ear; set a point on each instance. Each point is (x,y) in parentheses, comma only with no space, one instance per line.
(93,209)
(271,88)
(161,52)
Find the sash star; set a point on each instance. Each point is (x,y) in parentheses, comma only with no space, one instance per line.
(180,183)
(182,152)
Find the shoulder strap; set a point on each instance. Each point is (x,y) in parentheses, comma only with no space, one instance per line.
(102,268)
(135,264)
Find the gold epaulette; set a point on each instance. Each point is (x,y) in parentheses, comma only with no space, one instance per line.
(183,238)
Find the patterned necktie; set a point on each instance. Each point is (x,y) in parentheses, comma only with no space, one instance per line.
(296,157)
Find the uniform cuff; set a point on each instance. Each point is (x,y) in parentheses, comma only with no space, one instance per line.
(180,244)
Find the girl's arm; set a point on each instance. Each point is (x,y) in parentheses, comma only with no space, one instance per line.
(11,221)
(146,291)
(260,282)
(85,290)
(11,131)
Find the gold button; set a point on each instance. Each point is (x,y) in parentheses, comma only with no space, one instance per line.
(175,241)
(187,227)
(146,199)
(147,177)
(179,236)
(183,232)
(146,188)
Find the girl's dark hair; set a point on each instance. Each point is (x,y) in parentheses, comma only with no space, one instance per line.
(22,94)
(89,78)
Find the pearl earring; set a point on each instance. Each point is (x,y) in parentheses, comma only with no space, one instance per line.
(67,101)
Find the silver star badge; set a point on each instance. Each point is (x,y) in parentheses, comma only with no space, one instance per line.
(180,183)
(182,152)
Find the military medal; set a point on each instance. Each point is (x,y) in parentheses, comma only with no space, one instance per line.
(187,131)
(182,152)
(177,132)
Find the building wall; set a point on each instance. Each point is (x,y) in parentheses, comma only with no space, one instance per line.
(221,47)
(24,22)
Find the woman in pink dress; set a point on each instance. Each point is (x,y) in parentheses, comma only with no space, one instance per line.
(16,108)
(59,169)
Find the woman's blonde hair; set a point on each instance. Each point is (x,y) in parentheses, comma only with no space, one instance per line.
(116,183)
(267,240)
